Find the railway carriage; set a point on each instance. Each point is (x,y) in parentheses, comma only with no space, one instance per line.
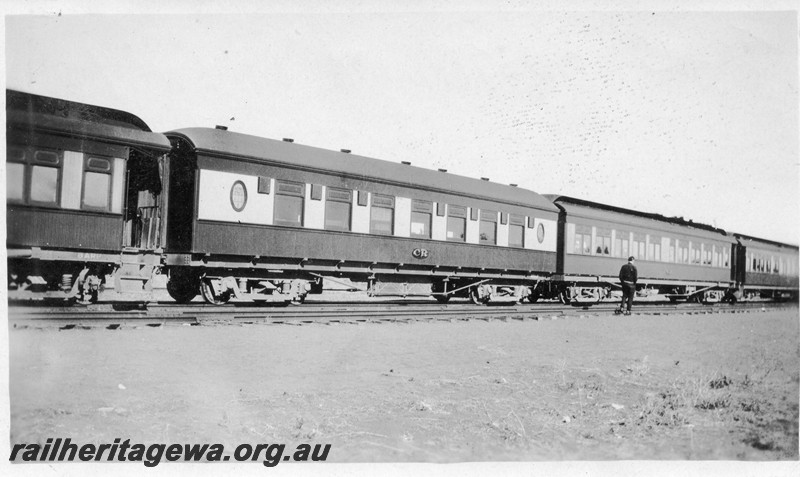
(94,196)
(268,220)
(676,259)
(765,269)
(82,196)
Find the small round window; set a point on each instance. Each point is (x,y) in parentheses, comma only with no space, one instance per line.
(540,233)
(238,196)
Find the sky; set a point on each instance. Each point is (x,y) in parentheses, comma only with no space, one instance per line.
(681,112)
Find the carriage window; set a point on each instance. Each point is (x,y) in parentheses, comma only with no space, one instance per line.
(606,244)
(44,184)
(97,190)
(516,231)
(583,240)
(621,244)
(456,223)
(638,247)
(46,157)
(381,220)
(421,212)
(289,202)
(683,252)
(45,177)
(33,175)
(338,209)
(15,181)
(488,227)
(603,244)
(583,243)
(97,183)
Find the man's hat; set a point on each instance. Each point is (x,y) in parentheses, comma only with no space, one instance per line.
(631,258)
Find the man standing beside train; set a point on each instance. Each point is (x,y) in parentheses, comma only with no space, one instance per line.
(628,277)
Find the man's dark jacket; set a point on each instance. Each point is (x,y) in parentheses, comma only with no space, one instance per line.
(628,273)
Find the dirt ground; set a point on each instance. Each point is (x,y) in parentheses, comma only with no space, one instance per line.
(687,387)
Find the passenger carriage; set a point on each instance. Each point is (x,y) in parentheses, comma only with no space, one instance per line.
(264,219)
(766,270)
(94,197)
(676,259)
(82,194)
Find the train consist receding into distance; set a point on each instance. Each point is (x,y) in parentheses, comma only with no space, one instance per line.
(96,199)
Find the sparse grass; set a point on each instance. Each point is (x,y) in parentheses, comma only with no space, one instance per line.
(664,408)
(640,367)
(641,397)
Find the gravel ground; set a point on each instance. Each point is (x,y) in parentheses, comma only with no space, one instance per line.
(678,387)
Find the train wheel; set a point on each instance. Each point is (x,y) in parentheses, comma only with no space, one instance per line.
(442,298)
(564,298)
(207,291)
(476,298)
(181,289)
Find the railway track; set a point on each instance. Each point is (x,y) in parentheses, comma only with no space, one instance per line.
(128,315)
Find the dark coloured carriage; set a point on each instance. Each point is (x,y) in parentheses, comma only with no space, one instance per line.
(766,270)
(94,197)
(82,194)
(676,259)
(262,219)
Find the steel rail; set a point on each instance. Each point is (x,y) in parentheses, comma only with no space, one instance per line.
(108,316)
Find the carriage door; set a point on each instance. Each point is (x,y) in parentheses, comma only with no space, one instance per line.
(143,210)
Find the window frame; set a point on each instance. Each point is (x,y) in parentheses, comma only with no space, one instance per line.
(457,212)
(29,161)
(516,221)
(389,204)
(282,189)
(331,198)
(421,207)
(88,168)
(19,161)
(487,217)
(605,246)
(583,235)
